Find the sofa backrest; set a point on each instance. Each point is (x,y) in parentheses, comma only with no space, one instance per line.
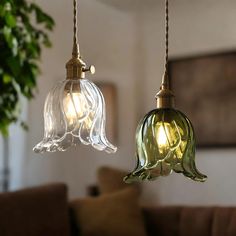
(190,221)
(41,211)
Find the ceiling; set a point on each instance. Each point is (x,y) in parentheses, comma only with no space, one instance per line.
(131,5)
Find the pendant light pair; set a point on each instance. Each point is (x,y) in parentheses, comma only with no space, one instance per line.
(74,113)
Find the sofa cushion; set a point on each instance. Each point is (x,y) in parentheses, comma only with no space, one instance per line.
(113,214)
(111,180)
(41,211)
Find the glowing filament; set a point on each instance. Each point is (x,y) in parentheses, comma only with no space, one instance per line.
(76,107)
(162,137)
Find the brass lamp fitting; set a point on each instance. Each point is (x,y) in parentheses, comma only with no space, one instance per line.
(76,67)
(165,97)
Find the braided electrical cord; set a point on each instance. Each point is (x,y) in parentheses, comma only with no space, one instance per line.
(165,79)
(75,21)
(75,29)
(167,37)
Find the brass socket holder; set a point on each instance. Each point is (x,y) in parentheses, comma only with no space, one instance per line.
(165,97)
(76,67)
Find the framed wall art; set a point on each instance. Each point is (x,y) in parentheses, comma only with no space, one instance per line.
(205,88)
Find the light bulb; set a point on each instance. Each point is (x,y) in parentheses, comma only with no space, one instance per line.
(76,107)
(166,134)
(163,136)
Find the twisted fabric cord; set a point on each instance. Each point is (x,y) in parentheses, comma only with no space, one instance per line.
(75,52)
(75,22)
(167,37)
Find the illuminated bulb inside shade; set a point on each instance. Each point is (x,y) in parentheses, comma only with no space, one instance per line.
(74,113)
(76,107)
(162,136)
(168,136)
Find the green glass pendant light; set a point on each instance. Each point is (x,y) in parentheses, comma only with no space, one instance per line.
(165,139)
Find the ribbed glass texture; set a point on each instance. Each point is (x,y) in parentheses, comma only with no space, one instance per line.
(165,142)
(74,113)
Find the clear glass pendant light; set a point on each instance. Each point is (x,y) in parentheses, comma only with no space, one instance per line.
(74,110)
(165,139)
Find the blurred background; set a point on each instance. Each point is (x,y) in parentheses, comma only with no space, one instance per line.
(124,39)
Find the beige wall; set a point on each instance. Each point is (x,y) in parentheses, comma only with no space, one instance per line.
(127,48)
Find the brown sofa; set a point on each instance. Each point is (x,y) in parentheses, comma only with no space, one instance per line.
(191,221)
(45,211)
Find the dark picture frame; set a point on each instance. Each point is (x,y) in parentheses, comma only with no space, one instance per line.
(205,89)
(109,92)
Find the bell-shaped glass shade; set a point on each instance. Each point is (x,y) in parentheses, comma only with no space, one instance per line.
(74,113)
(165,142)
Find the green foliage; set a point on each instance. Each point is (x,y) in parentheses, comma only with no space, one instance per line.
(24,28)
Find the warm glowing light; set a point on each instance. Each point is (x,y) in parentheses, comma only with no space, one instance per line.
(162,137)
(75,107)
(162,134)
